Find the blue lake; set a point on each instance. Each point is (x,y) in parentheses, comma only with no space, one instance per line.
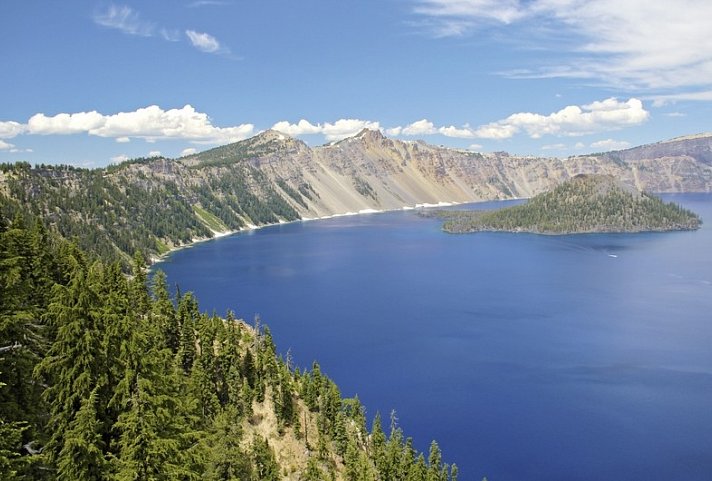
(553,358)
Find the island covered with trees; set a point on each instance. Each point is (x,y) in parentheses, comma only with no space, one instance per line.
(583,204)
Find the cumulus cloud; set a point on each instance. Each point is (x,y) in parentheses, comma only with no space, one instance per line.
(117,159)
(5,145)
(204,41)
(124,19)
(610,144)
(188,151)
(419,127)
(338,130)
(343,128)
(303,127)
(573,120)
(649,44)
(426,127)
(10,129)
(460,133)
(154,153)
(149,123)
(75,123)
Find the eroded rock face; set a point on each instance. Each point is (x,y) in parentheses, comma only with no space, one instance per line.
(371,171)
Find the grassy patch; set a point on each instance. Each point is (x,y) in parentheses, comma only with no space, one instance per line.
(210,220)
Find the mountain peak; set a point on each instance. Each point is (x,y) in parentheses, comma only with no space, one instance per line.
(370,134)
(271,134)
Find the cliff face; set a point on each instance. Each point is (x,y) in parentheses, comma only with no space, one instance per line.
(156,204)
(370,171)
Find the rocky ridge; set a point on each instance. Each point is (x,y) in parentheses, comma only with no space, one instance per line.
(273,177)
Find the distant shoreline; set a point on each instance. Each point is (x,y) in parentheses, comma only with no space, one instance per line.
(155,260)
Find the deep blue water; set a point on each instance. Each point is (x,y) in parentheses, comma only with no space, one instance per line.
(526,357)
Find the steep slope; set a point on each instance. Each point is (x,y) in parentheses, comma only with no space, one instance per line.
(102,378)
(157,204)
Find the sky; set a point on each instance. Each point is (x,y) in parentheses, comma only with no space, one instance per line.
(90,83)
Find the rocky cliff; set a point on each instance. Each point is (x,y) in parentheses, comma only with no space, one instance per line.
(370,171)
(273,177)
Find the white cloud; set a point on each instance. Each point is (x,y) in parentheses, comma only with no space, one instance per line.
(149,123)
(119,158)
(204,41)
(5,145)
(419,127)
(426,127)
(573,120)
(303,127)
(457,17)
(579,145)
(154,153)
(64,123)
(343,128)
(129,22)
(340,129)
(475,146)
(646,44)
(610,144)
(188,151)
(10,129)
(460,133)
(125,19)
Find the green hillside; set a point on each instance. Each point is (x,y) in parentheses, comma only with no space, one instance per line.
(584,204)
(104,378)
(149,205)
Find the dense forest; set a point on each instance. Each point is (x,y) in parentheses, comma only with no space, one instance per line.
(585,203)
(103,377)
(140,205)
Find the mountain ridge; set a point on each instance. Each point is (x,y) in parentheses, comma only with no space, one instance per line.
(158,204)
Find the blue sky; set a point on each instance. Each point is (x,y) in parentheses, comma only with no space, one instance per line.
(93,82)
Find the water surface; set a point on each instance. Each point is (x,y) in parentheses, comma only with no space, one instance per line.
(527,357)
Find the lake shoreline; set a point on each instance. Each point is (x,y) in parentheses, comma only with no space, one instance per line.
(155,260)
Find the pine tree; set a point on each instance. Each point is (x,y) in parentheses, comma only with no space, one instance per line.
(151,424)
(10,446)
(71,368)
(164,312)
(225,459)
(81,457)
(266,467)
(188,316)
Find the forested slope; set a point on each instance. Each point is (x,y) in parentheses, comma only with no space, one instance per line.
(584,204)
(157,204)
(104,378)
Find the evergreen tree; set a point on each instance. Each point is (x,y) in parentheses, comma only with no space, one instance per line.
(164,312)
(81,457)
(71,368)
(225,459)
(265,464)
